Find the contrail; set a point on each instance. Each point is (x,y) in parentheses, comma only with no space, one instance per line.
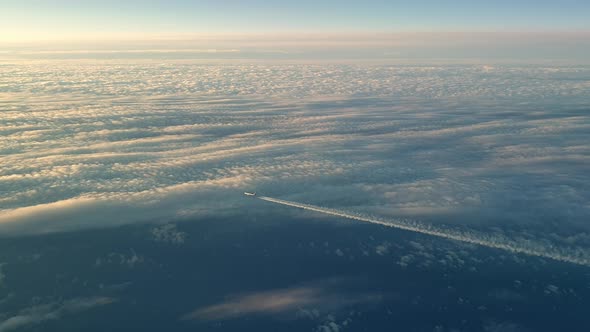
(527,247)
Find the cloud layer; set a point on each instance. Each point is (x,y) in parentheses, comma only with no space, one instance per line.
(99,145)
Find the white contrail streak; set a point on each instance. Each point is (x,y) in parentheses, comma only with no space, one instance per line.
(569,255)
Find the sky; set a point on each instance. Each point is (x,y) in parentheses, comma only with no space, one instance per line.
(374,30)
(28,20)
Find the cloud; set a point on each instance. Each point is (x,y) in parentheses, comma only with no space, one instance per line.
(129,261)
(502,151)
(271,302)
(38,314)
(383,248)
(284,301)
(168,234)
(112,209)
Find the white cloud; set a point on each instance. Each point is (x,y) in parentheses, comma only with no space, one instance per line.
(406,260)
(129,260)
(103,145)
(383,248)
(168,234)
(552,290)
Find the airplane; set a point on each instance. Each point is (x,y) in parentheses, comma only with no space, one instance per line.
(249,194)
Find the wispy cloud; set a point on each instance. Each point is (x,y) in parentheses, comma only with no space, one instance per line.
(38,314)
(322,295)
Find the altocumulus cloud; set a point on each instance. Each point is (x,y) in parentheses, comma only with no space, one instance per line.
(119,143)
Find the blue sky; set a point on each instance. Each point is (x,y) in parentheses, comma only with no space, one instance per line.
(370,29)
(25,19)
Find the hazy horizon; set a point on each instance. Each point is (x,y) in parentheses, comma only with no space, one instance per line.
(392,31)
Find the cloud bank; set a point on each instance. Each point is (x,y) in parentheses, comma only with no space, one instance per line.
(97,145)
